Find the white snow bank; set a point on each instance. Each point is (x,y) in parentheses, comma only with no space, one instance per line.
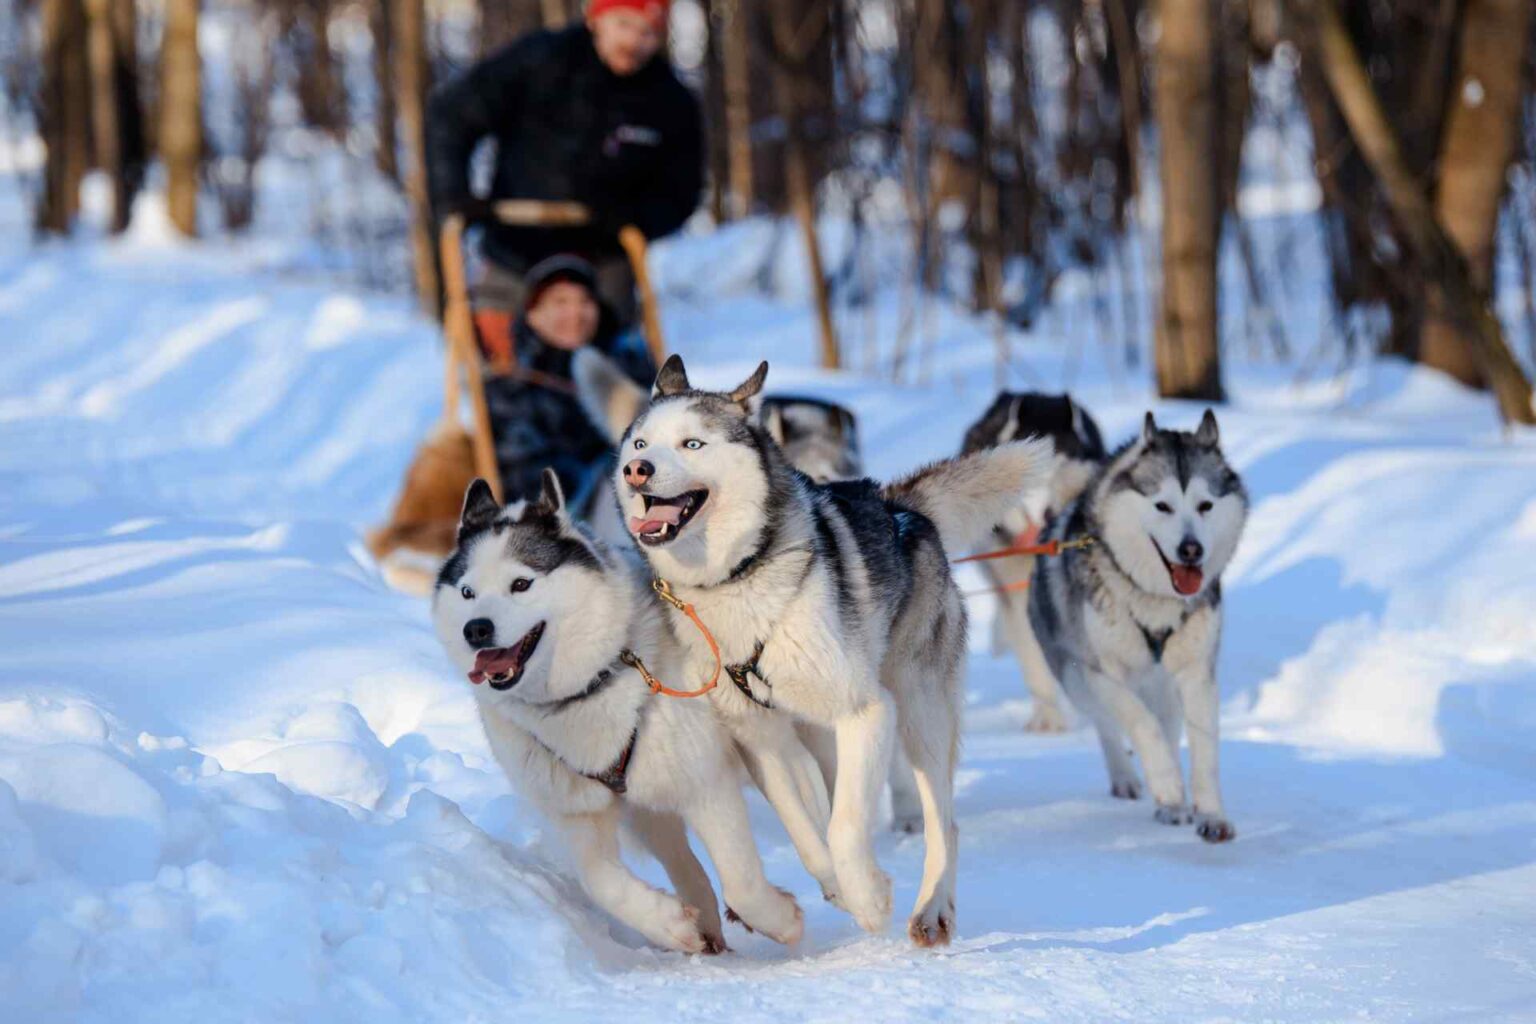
(238,781)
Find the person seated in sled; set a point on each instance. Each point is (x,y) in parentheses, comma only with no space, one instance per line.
(536,420)
(592,113)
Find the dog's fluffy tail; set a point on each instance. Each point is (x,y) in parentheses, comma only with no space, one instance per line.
(969,495)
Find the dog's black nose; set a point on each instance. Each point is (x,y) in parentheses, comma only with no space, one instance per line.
(638,471)
(1190,551)
(480,632)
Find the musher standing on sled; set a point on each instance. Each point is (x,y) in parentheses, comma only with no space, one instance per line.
(592,113)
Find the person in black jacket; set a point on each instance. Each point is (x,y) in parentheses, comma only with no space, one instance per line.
(593,114)
(536,420)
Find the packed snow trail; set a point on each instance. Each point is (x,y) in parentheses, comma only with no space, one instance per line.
(239,781)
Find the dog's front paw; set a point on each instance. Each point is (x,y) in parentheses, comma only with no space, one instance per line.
(1125,789)
(1047,718)
(679,930)
(934,925)
(775,914)
(1213,828)
(1173,814)
(868,899)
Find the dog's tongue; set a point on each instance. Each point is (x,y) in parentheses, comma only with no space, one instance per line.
(1186,578)
(655,518)
(491,661)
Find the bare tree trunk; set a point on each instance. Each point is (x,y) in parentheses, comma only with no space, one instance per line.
(718,142)
(502,21)
(1434,250)
(795,37)
(1188,353)
(64,114)
(181,113)
(411,77)
(385,109)
(735,58)
(106,129)
(1475,153)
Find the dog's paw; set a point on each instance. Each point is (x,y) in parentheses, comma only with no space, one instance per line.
(932,926)
(1125,789)
(1047,718)
(1214,829)
(679,929)
(1173,814)
(714,945)
(775,914)
(868,899)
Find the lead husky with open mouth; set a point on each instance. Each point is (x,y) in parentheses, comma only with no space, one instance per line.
(1129,617)
(557,632)
(830,603)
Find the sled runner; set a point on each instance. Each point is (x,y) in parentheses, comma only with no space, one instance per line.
(421,529)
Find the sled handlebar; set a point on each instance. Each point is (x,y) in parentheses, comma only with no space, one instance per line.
(541,213)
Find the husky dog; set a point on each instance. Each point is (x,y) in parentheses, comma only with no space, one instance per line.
(820,438)
(1079,453)
(829,603)
(557,632)
(1131,620)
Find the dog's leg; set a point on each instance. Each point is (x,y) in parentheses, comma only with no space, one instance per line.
(863,765)
(822,743)
(1049,714)
(930,734)
(906,802)
(1124,783)
(771,759)
(1158,759)
(664,835)
(659,916)
(1201,717)
(720,818)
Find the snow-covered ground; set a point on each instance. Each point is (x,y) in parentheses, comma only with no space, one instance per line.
(238,781)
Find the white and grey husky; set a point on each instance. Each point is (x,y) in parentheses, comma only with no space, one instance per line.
(833,604)
(1079,453)
(553,628)
(1130,621)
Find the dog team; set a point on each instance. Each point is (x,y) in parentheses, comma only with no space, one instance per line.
(756,609)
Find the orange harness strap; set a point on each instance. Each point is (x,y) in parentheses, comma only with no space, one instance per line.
(664,591)
(1020,548)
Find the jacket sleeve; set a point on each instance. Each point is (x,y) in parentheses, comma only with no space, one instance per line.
(680,181)
(467,108)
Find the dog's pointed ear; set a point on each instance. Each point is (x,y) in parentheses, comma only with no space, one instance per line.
(751,386)
(480,509)
(1148,427)
(1207,433)
(551,495)
(773,422)
(673,378)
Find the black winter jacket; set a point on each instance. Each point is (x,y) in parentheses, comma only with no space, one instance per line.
(567,128)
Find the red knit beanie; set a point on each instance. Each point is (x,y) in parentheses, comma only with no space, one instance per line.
(655,10)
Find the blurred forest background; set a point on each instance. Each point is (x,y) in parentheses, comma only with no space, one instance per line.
(1008,153)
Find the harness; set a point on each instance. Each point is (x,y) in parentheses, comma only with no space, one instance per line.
(739,674)
(615,776)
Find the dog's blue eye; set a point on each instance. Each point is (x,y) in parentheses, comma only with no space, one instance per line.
(1164,508)
(693,444)
(467,593)
(1204,507)
(521,584)
(639,443)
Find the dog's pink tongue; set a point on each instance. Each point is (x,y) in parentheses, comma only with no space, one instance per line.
(491,661)
(655,518)
(1186,579)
